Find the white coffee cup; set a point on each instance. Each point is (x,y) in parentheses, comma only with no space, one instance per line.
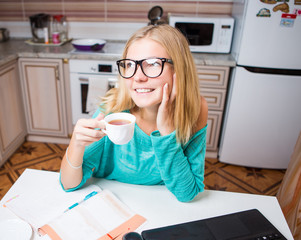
(119,127)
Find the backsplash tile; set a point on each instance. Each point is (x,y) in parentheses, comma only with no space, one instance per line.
(131,11)
(11,10)
(85,11)
(106,10)
(32,7)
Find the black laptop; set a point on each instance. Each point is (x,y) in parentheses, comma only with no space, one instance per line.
(250,224)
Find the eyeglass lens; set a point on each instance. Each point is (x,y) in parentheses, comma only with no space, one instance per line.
(151,67)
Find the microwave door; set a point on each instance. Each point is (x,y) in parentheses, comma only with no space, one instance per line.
(198,34)
(201,36)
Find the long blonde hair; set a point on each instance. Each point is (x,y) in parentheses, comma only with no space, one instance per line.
(187,103)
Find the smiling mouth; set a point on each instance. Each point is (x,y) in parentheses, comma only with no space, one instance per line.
(143,90)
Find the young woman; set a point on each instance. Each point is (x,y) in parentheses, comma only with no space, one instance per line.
(160,86)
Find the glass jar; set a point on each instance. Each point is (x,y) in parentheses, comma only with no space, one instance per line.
(59,25)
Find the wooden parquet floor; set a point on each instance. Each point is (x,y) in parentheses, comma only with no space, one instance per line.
(218,176)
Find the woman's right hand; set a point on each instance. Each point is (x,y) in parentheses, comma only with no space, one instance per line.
(87,131)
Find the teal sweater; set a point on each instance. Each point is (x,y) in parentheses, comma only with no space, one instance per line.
(149,160)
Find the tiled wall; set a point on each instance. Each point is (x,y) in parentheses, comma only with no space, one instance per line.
(106,10)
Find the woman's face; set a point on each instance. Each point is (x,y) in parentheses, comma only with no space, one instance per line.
(146,91)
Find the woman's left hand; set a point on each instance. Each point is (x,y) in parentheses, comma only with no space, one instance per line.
(165,123)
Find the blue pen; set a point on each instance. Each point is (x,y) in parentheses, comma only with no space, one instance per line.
(86,198)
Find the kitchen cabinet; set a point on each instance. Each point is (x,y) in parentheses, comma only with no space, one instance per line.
(213,87)
(12,120)
(44,99)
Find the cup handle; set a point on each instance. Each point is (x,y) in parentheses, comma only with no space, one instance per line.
(103,130)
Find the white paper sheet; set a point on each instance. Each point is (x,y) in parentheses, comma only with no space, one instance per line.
(40,206)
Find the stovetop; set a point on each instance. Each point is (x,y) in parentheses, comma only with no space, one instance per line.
(110,48)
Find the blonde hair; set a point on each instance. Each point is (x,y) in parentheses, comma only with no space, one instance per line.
(186,107)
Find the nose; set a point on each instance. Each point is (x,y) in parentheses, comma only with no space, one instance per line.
(139,75)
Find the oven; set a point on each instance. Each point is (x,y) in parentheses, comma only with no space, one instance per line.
(82,74)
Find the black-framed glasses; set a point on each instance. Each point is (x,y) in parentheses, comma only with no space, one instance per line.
(151,67)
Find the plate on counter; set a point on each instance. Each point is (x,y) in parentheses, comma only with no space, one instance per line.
(88,44)
(15,229)
(31,42)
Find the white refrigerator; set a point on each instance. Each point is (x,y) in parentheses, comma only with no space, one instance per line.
(263,113)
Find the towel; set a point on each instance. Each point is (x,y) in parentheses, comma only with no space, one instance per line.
(97,88)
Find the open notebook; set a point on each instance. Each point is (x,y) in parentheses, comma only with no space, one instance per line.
(73,216)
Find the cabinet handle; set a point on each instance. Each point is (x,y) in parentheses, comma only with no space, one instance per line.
(57,73)
(82,79)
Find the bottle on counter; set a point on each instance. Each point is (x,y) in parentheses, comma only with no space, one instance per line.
(64,29)
(46,35)
(59,29)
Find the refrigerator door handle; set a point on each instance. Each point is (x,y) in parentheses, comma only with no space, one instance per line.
(288,72)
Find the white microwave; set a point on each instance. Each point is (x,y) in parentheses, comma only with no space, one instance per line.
(205,33)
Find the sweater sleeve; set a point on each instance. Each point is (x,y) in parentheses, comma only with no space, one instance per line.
(181,167)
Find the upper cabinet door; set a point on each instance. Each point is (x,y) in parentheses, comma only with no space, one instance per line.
(44,98)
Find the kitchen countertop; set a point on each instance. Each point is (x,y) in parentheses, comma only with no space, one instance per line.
(15,48)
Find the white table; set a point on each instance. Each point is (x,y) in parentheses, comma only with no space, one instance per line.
(158,205)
